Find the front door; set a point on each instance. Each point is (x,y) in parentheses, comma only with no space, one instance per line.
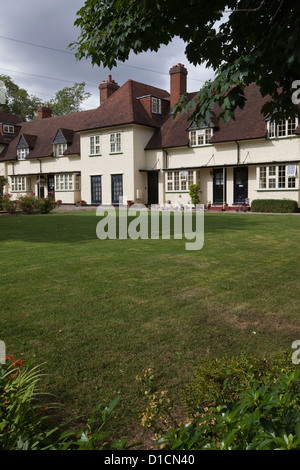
(240,185)
(116,189)
(218,186)
(51,187)
(96,189)
(152,187)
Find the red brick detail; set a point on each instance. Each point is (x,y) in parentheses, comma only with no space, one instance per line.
(178,78)
(44,112)
(107,88)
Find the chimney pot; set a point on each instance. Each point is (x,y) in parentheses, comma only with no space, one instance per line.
(178,79)
(107,88)
(44,111)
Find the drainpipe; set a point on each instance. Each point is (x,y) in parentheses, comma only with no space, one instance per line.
(164,176)
(238,152)
(39,184)
(166,158)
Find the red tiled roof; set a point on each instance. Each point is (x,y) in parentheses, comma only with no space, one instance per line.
(42,132)
(6,118)
(124,107)
(249,124)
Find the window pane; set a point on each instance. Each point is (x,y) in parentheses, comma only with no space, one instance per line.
(263,177)
(281,176)
(193,137)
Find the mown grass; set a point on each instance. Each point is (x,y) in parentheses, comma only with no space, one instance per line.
(98,312)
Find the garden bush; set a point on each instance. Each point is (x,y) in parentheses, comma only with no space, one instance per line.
(274,205)
(221,380)
(46,205)
(265,417)
(29,204)
(7,204)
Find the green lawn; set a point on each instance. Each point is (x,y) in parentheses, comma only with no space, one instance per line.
(98,312)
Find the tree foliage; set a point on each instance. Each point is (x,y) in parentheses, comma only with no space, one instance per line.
(18,101)
(69,99)
(244,41)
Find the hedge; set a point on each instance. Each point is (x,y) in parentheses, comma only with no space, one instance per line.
(274,205)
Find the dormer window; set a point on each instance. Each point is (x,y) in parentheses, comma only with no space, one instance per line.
(156,105)
(58,149)
(200,137)
(60,142)
(284,128)
(22,153)
(8,129)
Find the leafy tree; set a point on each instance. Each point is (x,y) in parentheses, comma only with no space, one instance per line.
(244,41)
(69,99)
(18,101)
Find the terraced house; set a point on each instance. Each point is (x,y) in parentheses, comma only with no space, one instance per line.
(131,148)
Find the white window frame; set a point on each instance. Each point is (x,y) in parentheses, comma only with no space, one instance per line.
(77,181)
(180,180)
(59,149)
(155,105)
(64,182)
(18,184)
(8,129)
(285,128)
(22,153)
(201,137)
(95,145)
(276,177)
(115,142)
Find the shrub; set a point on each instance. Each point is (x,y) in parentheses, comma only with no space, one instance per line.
(266,417)
(221,380)
(274,205)
(8,205)
(194,193)
(29,204)
(46,205)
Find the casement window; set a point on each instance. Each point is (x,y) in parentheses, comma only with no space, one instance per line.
(278,177)
(115,143)
(284,128)
(156,105)
(77,182)
(18,183)
(7,129)
(95,145)
(58,149)
(64,182)
(181,180)
(200,137)
(22,153)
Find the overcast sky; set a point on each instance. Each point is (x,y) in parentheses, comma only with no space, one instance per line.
(51,24)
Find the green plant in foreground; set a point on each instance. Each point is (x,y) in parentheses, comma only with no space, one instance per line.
(21,420)
(157,413)
(25,426)
(266,417)
(194,193)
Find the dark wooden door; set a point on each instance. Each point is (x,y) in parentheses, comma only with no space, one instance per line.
(152,187)
(51,186)
(117,189)
(96,189)
(240,185)
(218,186)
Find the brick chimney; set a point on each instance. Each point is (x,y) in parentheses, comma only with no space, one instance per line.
(107,88)
(44,112)
(178,77)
